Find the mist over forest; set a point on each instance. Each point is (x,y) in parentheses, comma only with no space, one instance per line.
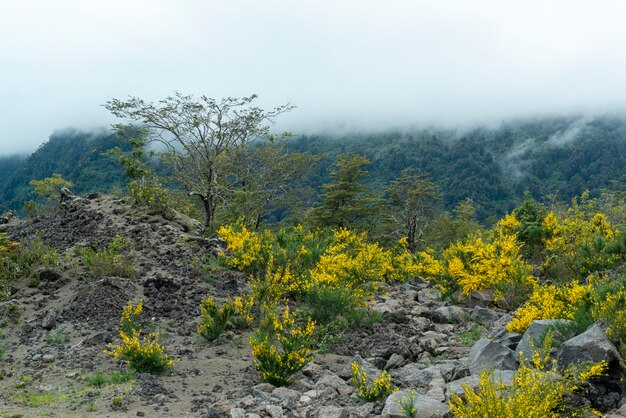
(553,158)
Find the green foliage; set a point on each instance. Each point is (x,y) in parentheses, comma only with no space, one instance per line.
(280,347)
(143,353)
(530,215)
(101,379)
(57,336)
(378,388)
(114,260)
(411,200)
(199,133)
(50,188)
(473,334)
(608,302)
(263,179)
(75,155)
(3,350)
(144,187)
(35,400)
(491,166)
(326,304)
(207,266)
(214,319)
(407,403)
(446,229)
(346,202)
(23,261)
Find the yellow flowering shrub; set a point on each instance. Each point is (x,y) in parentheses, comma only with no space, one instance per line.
(277,283)
(576,244)
(350,261)
(428,266)
(612,308)
(243,306)
(549,302)
(253,252)
(353,263)
(129,322)
(144,355)
(281,347)
(244,247)
(374,390)
(477,263)
(294,260)
(538,390)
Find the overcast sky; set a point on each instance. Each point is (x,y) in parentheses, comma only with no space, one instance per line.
(346,64)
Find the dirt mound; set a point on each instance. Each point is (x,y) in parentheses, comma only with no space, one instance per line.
(100,302)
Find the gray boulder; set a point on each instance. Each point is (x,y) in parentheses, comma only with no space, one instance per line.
(332,412)
(450,315)
(486,354)
(456,386)
(482,298)
(507,339)
(417,376)
(484,315)
(592,345)
(534,333)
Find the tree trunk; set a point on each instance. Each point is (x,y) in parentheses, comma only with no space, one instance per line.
(209,211)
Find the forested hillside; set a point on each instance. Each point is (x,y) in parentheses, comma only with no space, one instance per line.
(76,155)
(557,157)
(492,166)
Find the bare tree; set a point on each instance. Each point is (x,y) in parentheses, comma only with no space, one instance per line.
(411,205)
(199,133)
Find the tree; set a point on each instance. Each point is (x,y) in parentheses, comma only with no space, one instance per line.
(530,215)
(198,134)
(144,187)
(50,188)
(264,178)
(347,202)
(411,203)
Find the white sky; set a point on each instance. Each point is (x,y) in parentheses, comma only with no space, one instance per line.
(346,64)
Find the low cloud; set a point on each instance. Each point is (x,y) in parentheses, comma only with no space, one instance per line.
(349,65)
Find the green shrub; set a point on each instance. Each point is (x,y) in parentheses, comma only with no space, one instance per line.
(407,404)
(144,354)
(473,334)
(328,304)
(115,260)
(539,389)
(21,261)
(377,389)
(214,319)
(100,379)
(281,348)
(57,336)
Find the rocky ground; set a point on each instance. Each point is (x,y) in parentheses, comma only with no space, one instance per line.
(55,328)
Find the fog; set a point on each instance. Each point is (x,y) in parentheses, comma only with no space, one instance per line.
(347,65)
